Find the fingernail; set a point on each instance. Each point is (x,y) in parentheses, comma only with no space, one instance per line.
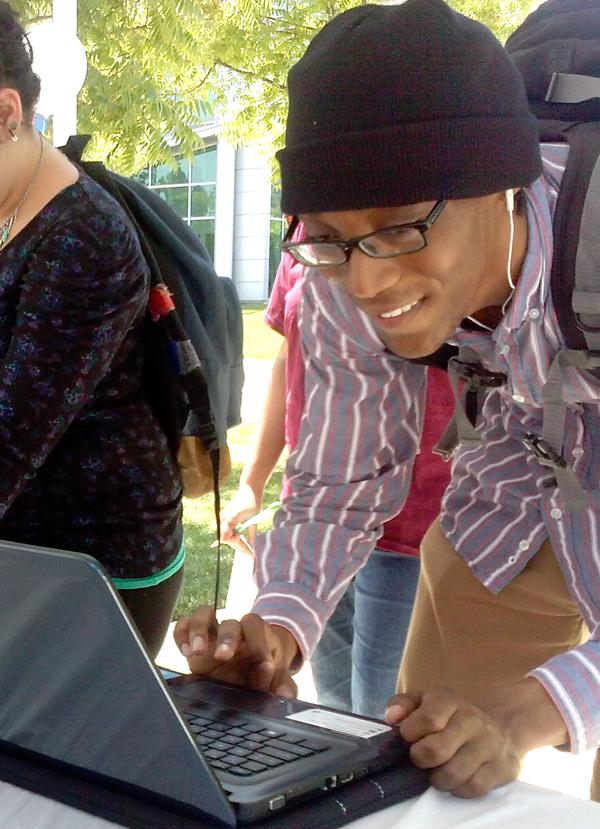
(198,644)
(393,713)
(186,650)
(285,691)
(265,667)
(224,647)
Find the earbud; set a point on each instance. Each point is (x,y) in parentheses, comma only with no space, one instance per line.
(509,196)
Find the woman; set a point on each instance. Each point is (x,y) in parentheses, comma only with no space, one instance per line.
(84,464)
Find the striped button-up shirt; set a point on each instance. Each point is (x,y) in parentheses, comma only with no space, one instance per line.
(359,433)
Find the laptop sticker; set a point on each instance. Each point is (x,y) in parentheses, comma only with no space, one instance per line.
(340,723)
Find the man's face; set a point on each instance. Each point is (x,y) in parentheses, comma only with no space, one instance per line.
(416,301)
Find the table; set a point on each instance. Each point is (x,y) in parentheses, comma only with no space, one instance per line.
(519,805)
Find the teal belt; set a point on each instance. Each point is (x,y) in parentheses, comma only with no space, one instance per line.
(157,578)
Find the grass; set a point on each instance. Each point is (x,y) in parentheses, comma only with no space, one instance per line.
(260,343)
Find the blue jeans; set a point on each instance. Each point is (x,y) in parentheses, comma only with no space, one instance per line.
(355,664)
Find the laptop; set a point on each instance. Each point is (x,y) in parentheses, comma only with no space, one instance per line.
(78,688)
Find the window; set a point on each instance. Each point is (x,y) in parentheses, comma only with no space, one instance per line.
(277,229)
(191,190)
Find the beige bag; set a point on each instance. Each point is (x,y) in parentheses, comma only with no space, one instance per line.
(196,468)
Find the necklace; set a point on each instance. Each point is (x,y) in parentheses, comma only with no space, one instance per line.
(7,224)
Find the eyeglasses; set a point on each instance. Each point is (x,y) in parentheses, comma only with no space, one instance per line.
(324,252)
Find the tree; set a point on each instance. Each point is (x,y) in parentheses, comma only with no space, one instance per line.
(156,67)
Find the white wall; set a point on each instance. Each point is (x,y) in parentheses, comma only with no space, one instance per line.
(252,206)
(224,209)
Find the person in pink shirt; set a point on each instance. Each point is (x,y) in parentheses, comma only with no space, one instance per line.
(355,664)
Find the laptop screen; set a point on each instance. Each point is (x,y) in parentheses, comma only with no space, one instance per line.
(77,685)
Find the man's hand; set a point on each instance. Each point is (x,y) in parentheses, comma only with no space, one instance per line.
(468,752)
(250,652)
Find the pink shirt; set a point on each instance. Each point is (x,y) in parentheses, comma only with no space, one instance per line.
(430,474)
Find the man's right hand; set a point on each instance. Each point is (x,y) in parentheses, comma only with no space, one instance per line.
(250,652)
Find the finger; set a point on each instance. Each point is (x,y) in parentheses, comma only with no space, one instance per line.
(252,534)
(432,715)
(400,706)
(229,636)
(489,776)
(460,768)
(283,684)
(261,659)
(194,633)
(238,542)
(466,727)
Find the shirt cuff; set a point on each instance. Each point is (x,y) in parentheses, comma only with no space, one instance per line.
(297,610)
(571,680)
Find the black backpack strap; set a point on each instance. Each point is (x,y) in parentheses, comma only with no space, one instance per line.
(466,367)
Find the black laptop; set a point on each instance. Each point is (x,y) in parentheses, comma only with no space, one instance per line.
(78,688)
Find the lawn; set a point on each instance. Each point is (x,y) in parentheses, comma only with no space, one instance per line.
(260,343)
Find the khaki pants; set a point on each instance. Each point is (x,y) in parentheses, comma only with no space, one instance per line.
(464,637)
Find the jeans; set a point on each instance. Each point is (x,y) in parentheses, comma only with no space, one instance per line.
(355,664)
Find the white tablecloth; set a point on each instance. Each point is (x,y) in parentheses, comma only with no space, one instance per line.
(518,805)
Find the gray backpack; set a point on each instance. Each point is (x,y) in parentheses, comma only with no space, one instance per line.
(557,50)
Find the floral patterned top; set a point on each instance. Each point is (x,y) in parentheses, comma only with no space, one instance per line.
(84,465)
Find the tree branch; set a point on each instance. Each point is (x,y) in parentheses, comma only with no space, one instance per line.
(249,74)
(204,79)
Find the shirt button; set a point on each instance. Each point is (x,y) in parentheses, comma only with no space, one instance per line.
(534,313)
(523,545)
(512,559)
(518,398)
(577,452)
(504,350)
(556,513)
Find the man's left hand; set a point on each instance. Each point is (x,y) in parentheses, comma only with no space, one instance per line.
(467,750)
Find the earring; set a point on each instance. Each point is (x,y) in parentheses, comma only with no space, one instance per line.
(12,130)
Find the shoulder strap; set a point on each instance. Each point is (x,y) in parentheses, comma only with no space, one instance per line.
(575,279)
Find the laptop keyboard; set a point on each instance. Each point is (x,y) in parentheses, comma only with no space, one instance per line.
(238,747)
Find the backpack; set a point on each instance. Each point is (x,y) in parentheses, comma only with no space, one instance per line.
(557,51)
(193,370)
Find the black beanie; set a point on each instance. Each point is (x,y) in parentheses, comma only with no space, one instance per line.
(394,105)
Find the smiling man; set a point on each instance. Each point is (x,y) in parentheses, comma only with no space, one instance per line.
(414,163)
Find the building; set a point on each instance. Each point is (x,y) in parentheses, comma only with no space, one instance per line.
(226,197)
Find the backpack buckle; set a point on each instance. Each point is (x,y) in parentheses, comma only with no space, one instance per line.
(479,377)
(544,452)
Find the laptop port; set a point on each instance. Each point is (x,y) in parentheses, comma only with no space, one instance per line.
(330,782)
(345,777)
(276,803)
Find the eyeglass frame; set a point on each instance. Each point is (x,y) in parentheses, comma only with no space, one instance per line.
(348,246)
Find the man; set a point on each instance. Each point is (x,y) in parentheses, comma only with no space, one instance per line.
(414,163)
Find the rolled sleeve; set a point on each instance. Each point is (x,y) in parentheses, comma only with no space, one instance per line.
(572,680)
(351,469)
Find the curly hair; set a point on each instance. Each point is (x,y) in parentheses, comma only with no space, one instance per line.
(16,59)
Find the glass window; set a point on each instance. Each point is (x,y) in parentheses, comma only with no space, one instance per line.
(205,229)
(277,232)
(204,166)
(204,199)
(177,197)
(275,202)
(190,190)
(277,229)
(165,174)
